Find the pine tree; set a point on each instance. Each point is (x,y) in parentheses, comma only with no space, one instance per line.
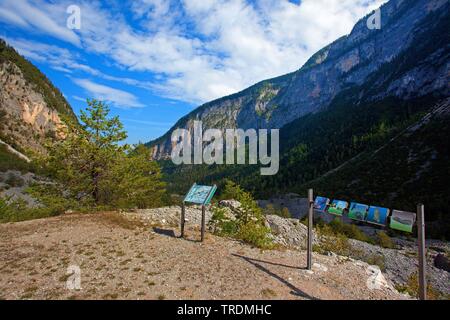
(96,168)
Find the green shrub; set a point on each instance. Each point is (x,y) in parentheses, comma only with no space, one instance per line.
(51,201)
(222,224)
(350,230)
(331,241)
(9,161)
(3,207)
(272,210)
(248,224)
(17,210)
(255,234)
(412,288)
(376,260)
(384,240)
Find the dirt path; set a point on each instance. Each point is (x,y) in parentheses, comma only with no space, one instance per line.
(120,259)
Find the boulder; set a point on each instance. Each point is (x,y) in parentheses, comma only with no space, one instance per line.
(442,262)
(288,232)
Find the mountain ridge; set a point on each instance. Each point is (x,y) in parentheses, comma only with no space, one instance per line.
(347,61)
(360,119)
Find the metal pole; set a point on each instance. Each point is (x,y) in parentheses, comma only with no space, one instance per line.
(182,219)
(422,252)
(203,222)
(310,228)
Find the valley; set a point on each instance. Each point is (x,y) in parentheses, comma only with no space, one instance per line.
(86,215)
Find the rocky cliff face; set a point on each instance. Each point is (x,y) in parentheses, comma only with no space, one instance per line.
(31,108)
(350,61)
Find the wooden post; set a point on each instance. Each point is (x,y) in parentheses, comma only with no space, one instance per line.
(182,219)
(422,252)
(203,222)
(310,228)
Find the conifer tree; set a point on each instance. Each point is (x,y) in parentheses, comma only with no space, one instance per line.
(93,164)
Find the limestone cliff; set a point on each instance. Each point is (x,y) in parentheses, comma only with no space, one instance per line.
(31,108)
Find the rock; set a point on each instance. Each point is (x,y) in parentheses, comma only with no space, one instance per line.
(376,280)
(400,265)
(171,215)
(234,205)
(319,267)
(288,232)
(442,262)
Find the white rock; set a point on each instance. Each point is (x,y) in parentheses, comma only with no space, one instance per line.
(320,267)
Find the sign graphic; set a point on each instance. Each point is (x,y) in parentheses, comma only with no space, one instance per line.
(200,194)
(377,215)
(321,203)
(337,207)
(358,211)
(402,220)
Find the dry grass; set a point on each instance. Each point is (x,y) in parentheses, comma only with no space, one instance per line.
(116,219)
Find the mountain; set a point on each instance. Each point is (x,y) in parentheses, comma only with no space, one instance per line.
(365,119)
(31,108)
(350,61)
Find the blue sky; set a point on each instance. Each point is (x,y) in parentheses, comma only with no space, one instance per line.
(156,60)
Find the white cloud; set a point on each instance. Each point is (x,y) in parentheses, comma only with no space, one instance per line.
(11,17)
(67,61)
(119,98)
(149,123)
(201,49)
(33,15)
(220,47)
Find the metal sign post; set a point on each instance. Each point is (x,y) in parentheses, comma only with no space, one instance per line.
(310,228)
(422,252)
(182,219)
(203,222)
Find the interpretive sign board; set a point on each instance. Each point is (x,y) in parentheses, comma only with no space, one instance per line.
(399,220)
(358,211)
(337,207)
(377,215)
(321,203)
(200,194)
(402,220)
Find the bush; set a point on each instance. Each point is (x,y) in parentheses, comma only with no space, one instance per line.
(255,234)
(222,223)
(412,288)
(376,260)
(9,161)
(330,241)
(248,224)
(51,196)
(272,210)
(17,210)
(51,200)
(384,240)
(349,230)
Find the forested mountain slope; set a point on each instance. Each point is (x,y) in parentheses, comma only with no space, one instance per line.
(361,119)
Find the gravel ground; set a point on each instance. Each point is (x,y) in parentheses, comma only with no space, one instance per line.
(124,259)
